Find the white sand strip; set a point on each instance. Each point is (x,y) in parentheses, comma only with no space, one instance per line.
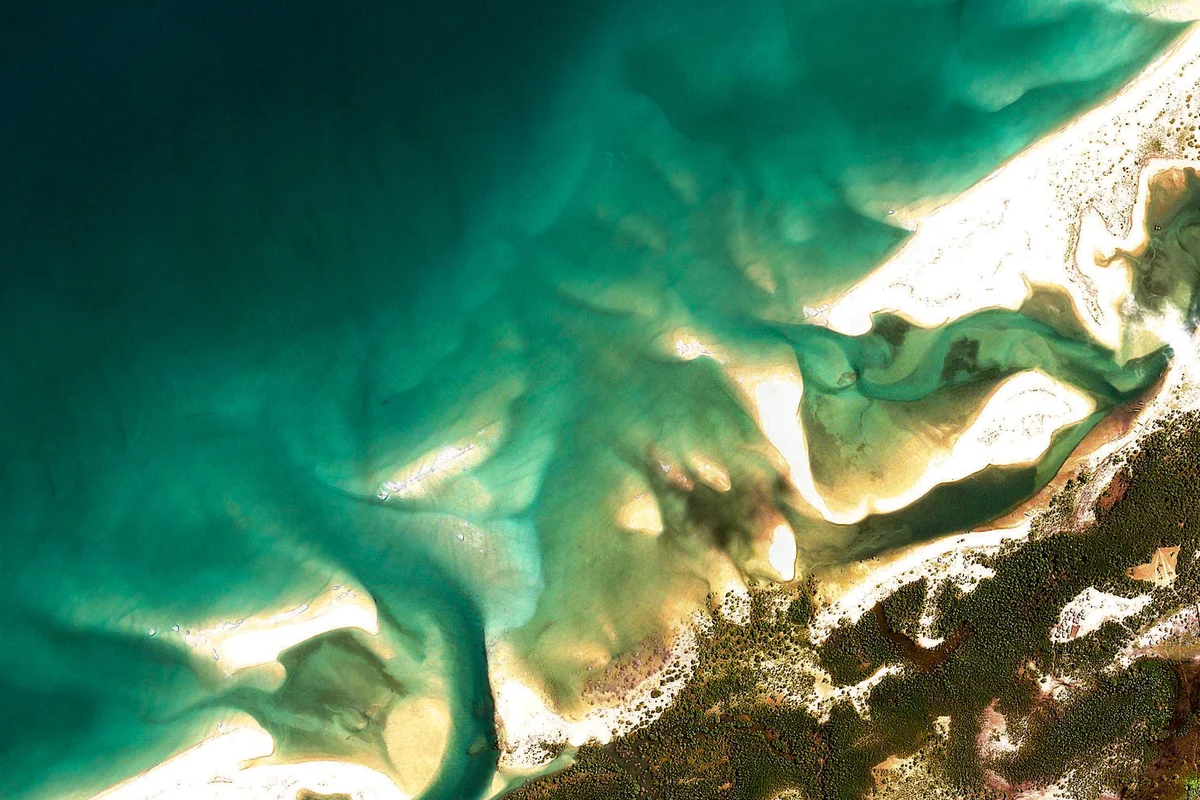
(1090,609)
(980,249)
(258,640)
(213,770)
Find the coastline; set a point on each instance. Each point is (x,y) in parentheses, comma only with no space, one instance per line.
(1094,291)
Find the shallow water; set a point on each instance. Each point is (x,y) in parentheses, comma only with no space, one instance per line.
(256,263)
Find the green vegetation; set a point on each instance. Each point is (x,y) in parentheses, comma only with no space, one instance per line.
(738,729)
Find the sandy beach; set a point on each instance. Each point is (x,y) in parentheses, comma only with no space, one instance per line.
(1051,215)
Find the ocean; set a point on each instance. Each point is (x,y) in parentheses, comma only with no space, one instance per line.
(393,294)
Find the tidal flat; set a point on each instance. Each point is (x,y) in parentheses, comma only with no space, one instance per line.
(367,370)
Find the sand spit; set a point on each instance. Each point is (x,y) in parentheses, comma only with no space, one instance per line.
(219,768)
(849,592)
(1016,426)
(215,770)
(1075,188)
(436,467)
(1060,196)
(258,640)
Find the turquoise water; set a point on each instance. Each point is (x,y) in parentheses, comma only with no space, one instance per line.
(257,260)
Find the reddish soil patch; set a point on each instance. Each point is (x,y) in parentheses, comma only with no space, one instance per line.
(923,658)
(1116,489)
(1178,755)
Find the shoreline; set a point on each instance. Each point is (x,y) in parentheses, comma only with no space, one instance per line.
(857,586)
(1064,195)
(217,767)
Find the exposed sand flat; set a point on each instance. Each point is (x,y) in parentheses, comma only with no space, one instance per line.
(638,509)
(417,735)
(641,514)
(772,396)
(213,770)
(774,551)
(781,554)
(259,640)
(1016,426)
(982,249)
(424,474)
(687,346)
(712,474)
(1170,10)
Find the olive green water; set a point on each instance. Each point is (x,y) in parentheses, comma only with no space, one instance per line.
(257,260)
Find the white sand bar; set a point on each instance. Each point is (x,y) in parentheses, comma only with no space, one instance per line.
(1057,198)
(213,770)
